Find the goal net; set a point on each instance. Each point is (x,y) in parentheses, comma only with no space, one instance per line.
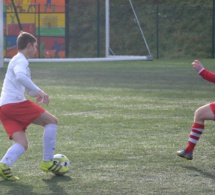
(124,33)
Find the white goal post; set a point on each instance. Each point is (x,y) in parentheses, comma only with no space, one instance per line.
(108,49)
(109,53)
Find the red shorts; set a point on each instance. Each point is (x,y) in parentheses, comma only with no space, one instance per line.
(17,116)
(212,105)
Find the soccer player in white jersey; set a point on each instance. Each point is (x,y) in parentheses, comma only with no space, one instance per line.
(17,113)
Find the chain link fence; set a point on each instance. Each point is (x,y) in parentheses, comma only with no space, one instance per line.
(170,31)
(76,28)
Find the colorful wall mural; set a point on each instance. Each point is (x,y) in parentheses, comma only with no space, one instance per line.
(45,19)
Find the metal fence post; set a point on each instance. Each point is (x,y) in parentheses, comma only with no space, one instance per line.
(157,29)
(213,25)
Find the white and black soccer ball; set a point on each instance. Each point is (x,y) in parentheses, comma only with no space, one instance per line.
(61,159)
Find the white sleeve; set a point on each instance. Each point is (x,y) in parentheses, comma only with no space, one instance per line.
(30,92)
(27,82)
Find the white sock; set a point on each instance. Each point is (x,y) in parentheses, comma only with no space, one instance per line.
(12,154)
(49,140)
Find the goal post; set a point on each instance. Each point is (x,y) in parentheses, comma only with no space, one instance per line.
(112,52)
(134,23)
(107,27)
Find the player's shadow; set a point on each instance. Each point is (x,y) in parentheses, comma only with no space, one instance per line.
(53,183)
(200,172)
(16,188)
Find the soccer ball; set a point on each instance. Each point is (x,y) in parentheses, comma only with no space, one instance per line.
(62,160)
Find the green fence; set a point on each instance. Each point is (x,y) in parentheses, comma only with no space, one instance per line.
(171,30)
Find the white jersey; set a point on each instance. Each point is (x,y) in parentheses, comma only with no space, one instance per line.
(13,91)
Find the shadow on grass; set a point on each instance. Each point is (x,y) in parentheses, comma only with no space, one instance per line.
(53,183)
(200,171)
(16,188)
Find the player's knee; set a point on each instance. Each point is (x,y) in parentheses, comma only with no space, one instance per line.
(54,120)
(199,115)
(51,119)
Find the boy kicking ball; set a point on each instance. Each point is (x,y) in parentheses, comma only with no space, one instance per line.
(17,113)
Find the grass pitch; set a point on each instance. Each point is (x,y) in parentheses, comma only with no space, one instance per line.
(120,124)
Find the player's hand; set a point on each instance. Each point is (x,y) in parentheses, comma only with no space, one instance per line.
(197,65)
(42,97)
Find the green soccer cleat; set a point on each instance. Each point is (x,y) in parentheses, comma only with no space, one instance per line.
(183,154)
(5,173)
(51,166)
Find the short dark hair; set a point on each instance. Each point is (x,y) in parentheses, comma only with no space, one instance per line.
(23,39)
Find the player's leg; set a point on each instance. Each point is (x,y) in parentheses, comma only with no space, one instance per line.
(45,118)
(204,113)
(201,114)
(12,154)
(50,124)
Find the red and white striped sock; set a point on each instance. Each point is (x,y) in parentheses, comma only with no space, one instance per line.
(195,133)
